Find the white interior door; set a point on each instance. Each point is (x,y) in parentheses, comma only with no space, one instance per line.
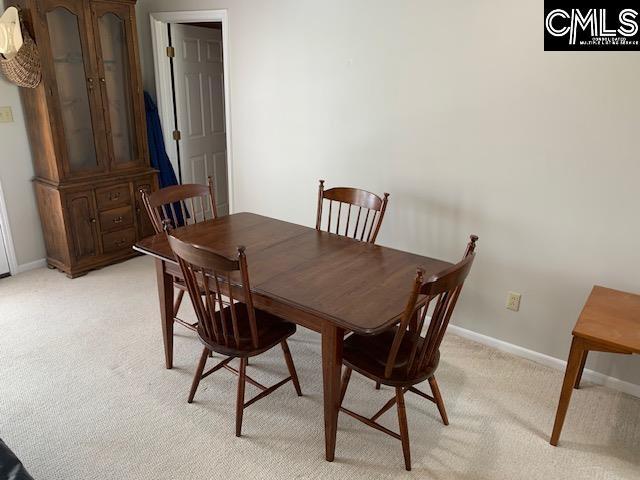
(199,93)
(4,260)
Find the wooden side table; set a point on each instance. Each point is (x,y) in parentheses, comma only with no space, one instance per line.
(609,322)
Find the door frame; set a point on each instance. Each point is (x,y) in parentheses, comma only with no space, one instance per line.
(7,238)
(162,70)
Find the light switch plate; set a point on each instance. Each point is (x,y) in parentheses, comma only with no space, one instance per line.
(6,115)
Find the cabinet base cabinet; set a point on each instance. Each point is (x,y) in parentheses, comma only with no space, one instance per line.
(90,225)
(98,262)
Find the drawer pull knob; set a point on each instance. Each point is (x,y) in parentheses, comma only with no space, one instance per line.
(120,242)
(92,220)
(117,220)
(114,195)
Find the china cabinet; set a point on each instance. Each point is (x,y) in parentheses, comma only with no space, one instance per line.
(87,131)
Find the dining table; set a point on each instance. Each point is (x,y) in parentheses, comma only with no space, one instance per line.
(328,283)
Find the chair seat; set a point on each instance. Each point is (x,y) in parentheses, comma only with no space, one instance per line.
(271,331)
(367,354)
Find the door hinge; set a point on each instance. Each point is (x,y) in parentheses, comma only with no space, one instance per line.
(171,52)
(176,135)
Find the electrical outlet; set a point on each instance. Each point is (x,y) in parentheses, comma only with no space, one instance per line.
(6,116)
(513,301)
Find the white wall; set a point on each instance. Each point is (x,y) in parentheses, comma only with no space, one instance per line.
(455,109)
(16,172)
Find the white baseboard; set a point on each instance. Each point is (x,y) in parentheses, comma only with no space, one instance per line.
(25,267)
(588,375)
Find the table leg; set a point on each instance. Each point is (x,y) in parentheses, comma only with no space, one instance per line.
(582,363)
(332,341)
(165,294)
(570,376)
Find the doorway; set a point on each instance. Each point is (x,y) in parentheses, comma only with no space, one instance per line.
(4,258)
(7,254)
(191,68)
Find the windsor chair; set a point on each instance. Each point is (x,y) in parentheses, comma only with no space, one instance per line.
(176,206)
(226,326)
(401,357)
(364,225)
(369,225)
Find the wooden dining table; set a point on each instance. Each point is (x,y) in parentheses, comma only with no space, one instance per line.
(321,281)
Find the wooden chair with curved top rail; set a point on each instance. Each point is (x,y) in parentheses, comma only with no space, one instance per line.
(175,206)
(365,225)
(401,357)
(227,326)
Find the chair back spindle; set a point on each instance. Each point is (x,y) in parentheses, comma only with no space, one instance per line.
(180,205)
(351,212)
(432,300)
(216,309)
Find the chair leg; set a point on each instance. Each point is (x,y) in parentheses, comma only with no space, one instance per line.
(198,374)
(346,376)
(439,402)
(404,429)
(240,398)
(377,385)
(291,367)
(176,305)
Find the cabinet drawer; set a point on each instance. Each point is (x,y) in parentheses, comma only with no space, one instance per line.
(119,240)
(116,218)
(113,196)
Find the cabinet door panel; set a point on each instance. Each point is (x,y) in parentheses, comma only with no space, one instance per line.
(119,81)
(82,222)
(71,66)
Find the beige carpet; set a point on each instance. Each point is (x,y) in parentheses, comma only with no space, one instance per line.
(84,395)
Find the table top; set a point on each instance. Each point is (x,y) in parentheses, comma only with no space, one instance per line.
(358,286)
(611,317)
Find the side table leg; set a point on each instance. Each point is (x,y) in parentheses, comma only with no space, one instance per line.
(582,363)
(570,377)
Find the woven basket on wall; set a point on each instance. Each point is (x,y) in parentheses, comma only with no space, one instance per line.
(23,68)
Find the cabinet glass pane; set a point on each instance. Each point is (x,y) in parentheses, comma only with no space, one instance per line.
(72,88)
(119,95)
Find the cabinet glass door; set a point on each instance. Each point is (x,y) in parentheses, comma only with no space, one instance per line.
(120,94)
(74,86)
